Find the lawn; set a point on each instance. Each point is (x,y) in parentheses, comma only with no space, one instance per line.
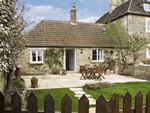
(58,94)
(120,89)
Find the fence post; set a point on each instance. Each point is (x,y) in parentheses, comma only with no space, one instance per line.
(66,104)
(138,102)
(101,105)
(15,103)
(49,104)
(114,104)
(147,109)
(32,103)
(83,105)
(2,103)
(127,103)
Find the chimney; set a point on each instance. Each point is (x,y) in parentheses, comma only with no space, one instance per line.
(115,3)
(73,15)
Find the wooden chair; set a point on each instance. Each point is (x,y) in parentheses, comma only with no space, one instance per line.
(83,72)
(100,71)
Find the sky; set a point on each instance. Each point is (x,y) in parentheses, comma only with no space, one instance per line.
(87,10)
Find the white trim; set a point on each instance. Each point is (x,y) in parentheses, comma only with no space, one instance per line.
(36,49)
(36,62)
(65,58)
(97,55)
(147,19)
(147,53)
(75,68)
(129,5)
(146,5)
(75,61)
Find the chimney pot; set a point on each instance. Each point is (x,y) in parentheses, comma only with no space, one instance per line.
(73,14)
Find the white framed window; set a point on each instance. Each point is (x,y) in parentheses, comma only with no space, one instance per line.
(147,7)
(147,24)
(97,55)
(117,54)
(148,52)
(36,56)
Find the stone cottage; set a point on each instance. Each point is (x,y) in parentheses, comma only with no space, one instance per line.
(134,16)
(83,43)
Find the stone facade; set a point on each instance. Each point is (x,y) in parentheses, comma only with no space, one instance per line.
(136,25)
(28,68)
(81,59)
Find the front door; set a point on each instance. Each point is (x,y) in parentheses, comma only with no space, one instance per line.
(70,60)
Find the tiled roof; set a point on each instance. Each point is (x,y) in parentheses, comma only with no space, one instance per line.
(52,33)
(129,7)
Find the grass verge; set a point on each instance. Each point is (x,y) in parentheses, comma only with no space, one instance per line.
(58,94)
(120,89)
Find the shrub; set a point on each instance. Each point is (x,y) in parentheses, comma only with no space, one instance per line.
(34,78)
(21,84)
(16,82)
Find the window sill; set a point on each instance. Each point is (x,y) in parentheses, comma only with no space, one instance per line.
(148,58)
(147,31)
(98,61)
(36,62)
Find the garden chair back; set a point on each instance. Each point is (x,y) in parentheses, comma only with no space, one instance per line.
(86,65)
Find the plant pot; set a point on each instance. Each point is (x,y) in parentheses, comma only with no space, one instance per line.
(64,73)
(34,83)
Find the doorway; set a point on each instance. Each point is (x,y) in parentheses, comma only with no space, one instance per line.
(70,59)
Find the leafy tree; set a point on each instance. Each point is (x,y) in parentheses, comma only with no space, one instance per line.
(121,40)
(12,33)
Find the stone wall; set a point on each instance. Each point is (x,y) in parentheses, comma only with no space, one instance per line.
(81,59)
(135,25)
(86,58)
(31,69)
(2,84)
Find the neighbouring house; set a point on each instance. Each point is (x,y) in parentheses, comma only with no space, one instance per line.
(83,43)
(134,16)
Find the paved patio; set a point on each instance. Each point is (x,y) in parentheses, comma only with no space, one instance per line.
(73,80)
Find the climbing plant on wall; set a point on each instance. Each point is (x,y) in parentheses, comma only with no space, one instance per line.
(53,58)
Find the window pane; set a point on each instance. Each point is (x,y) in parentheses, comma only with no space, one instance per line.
(148,25)
(39,58)
(149,7)
(39,53)
(148,51)
(93,51)
(33,55)
(116,53)
(145,6)
(100,54)
(94,57)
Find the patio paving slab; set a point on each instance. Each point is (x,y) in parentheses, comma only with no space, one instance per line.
(87,95)
(73,80)
(79,92)
(76,89)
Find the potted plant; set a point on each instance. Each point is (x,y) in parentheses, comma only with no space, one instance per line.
(64,72)
(34,82)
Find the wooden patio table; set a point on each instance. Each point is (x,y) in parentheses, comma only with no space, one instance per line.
(92,74)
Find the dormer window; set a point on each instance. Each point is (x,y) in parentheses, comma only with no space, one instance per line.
(147,7)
